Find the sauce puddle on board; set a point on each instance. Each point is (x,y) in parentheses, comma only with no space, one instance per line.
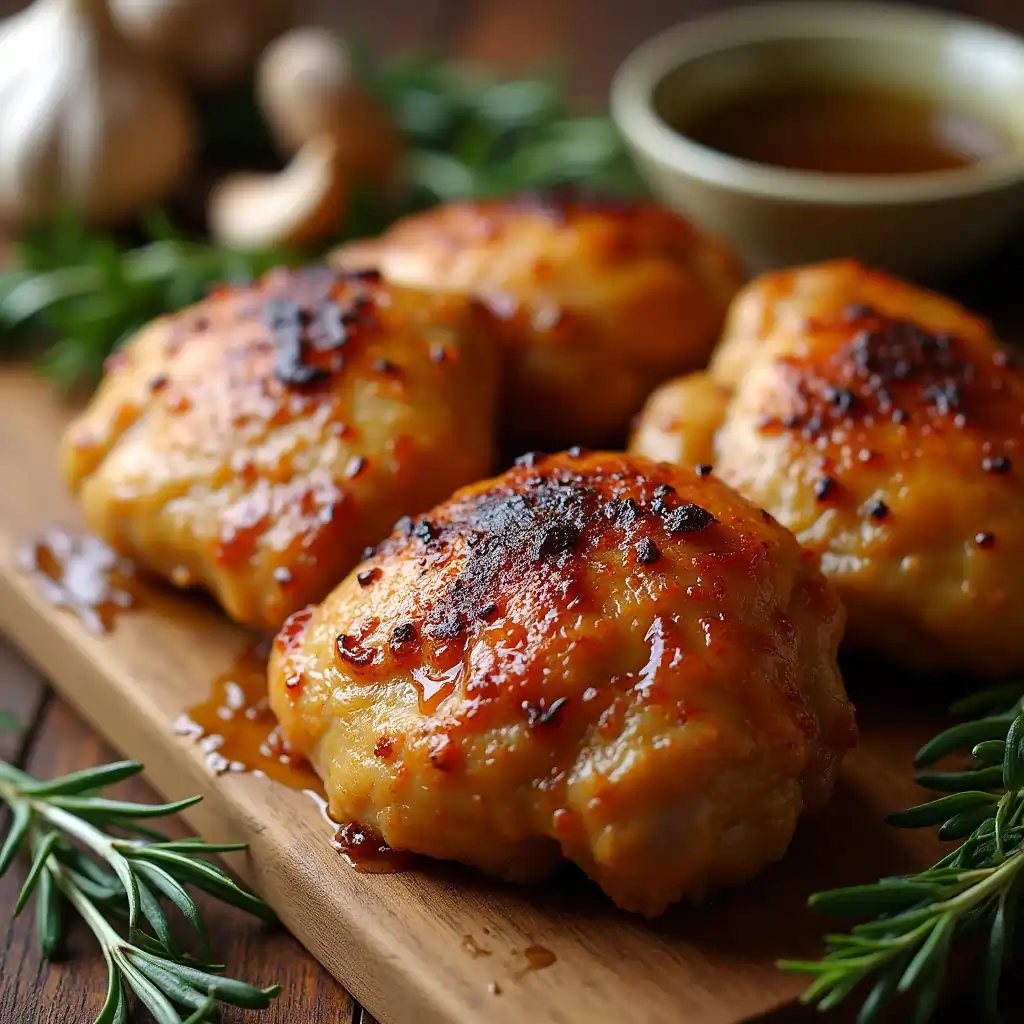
(364,850)
(237,732)
(234,725)
(473,948)
(79,572)
(537,958)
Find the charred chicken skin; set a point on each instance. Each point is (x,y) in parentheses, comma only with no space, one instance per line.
(253,444)
(592,657)
(883,425)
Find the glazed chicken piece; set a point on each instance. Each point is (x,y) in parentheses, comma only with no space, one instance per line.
(591,657)
(884,426)
(598,301)
(255,443)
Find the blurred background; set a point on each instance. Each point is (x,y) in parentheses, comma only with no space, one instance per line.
(410,127)
(583,38)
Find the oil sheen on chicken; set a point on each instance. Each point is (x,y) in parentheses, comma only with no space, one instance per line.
(255,443)
(884,425)
(592,657)
(597,300)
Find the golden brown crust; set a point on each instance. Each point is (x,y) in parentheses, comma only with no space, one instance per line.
(254,443)
(802,293)
(895,453)
(592,656)
(598,301)
(680,419)
(884,425)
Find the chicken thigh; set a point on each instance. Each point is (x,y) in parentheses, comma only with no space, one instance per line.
(884,425)
(254,444)
(597,301)
(592,657)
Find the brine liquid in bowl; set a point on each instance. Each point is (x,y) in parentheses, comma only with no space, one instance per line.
(843,128)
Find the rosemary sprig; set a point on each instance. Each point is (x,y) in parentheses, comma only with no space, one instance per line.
(98,856)
(915,920)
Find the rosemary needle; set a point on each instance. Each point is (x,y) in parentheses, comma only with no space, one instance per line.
(96,856)
(913,921)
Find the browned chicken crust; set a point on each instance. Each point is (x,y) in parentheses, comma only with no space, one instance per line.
(591,657)
(255,443)
(598,300)
(802,293)
(884,426)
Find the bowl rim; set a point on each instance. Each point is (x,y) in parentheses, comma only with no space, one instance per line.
(634,84)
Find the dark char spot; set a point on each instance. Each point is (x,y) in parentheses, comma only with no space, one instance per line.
(647,552)
(368,576)
(824,487)
(545,714)
(689,518)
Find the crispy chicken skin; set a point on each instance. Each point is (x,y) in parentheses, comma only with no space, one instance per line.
(591,657)
(887,433)
(598,301)
(820,289)
(255,443)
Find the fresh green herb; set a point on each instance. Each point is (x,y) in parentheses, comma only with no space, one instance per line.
(472,135)
(86,293)
(98,856)
(914,921)
(80,293)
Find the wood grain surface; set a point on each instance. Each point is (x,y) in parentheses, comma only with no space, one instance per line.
(585,39)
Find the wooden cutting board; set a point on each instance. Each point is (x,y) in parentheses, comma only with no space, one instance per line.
(409,945)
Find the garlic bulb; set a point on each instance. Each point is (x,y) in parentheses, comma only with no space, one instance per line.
(84,121)
(212,43)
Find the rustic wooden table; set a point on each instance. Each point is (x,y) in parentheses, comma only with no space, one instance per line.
(587,38)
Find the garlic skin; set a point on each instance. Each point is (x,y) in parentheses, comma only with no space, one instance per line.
(211,43)
(84,122)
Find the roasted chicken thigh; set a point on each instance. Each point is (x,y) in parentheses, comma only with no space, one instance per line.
(255,443)
(592,657)
(883,425)
(597,301)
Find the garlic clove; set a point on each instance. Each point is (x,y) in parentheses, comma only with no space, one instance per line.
(306,86)
(302,204)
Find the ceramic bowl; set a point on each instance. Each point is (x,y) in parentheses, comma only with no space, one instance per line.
(920,225)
